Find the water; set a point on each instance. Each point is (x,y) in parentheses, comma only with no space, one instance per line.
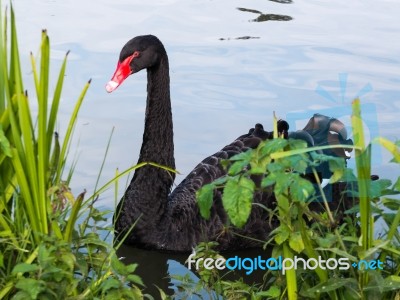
(230,68)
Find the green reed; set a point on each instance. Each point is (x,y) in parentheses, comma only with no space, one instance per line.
(45,253)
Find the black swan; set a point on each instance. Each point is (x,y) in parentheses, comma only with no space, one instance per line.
(168,220)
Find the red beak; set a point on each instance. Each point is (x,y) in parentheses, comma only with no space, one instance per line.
(121,73)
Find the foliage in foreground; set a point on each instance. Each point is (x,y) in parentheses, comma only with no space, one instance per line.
(44,254)
(307,235)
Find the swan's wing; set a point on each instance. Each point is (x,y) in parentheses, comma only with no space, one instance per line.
(182,204)
(210,168)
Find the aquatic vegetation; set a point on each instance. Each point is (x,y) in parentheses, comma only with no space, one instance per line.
(371,262)
(44,253)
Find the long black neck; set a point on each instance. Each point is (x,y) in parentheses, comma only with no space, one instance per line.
(151,185)
(158,145)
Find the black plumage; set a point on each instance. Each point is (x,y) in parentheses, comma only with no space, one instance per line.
(170,220)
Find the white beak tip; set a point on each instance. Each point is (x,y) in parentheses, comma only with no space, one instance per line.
(111,86)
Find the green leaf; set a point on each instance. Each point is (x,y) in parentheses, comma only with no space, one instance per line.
(73,217)
(111,283)
(32,287)
(391,147)
(283,181)
(272,146)
(301,189)
(246,156)
(25,268)
(272,292)
(237,167)
(268,180)
(237,199)
(241,161)
(131,268)
(296,242)
(205,197)
(119,267)
(391,203)
(337,166)
(396,186)
(331,285)
(339,253)
(275,167)
(282,234)
(298,163)
(327,241)
(135,279)
(220,181)
(4,143)
(69,260)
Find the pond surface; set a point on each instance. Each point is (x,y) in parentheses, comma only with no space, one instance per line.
(232,64)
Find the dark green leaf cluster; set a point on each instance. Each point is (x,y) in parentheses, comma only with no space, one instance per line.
(283,174)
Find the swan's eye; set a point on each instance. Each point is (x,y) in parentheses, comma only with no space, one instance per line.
(135,54)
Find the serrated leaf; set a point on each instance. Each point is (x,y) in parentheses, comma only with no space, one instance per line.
(268,180)
(32,287)
(298,163)
(246,156)
(296,242)
(135,279)
(220,181)
(237,199)
(301,189)
(272,146)
(131,268)
(282,234)
(275,167)
(118,266)
(69,260)
(259,162)
(205,196)
(110,283)
(297,144)
(283,181)
(237,167)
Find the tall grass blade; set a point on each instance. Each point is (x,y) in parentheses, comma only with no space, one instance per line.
(363,166)
(69,131)
(15,77)
(56,102)
(3,67)
(73,217)
(25,192)
(43,154)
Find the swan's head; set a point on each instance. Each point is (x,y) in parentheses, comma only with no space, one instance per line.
(141,52)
